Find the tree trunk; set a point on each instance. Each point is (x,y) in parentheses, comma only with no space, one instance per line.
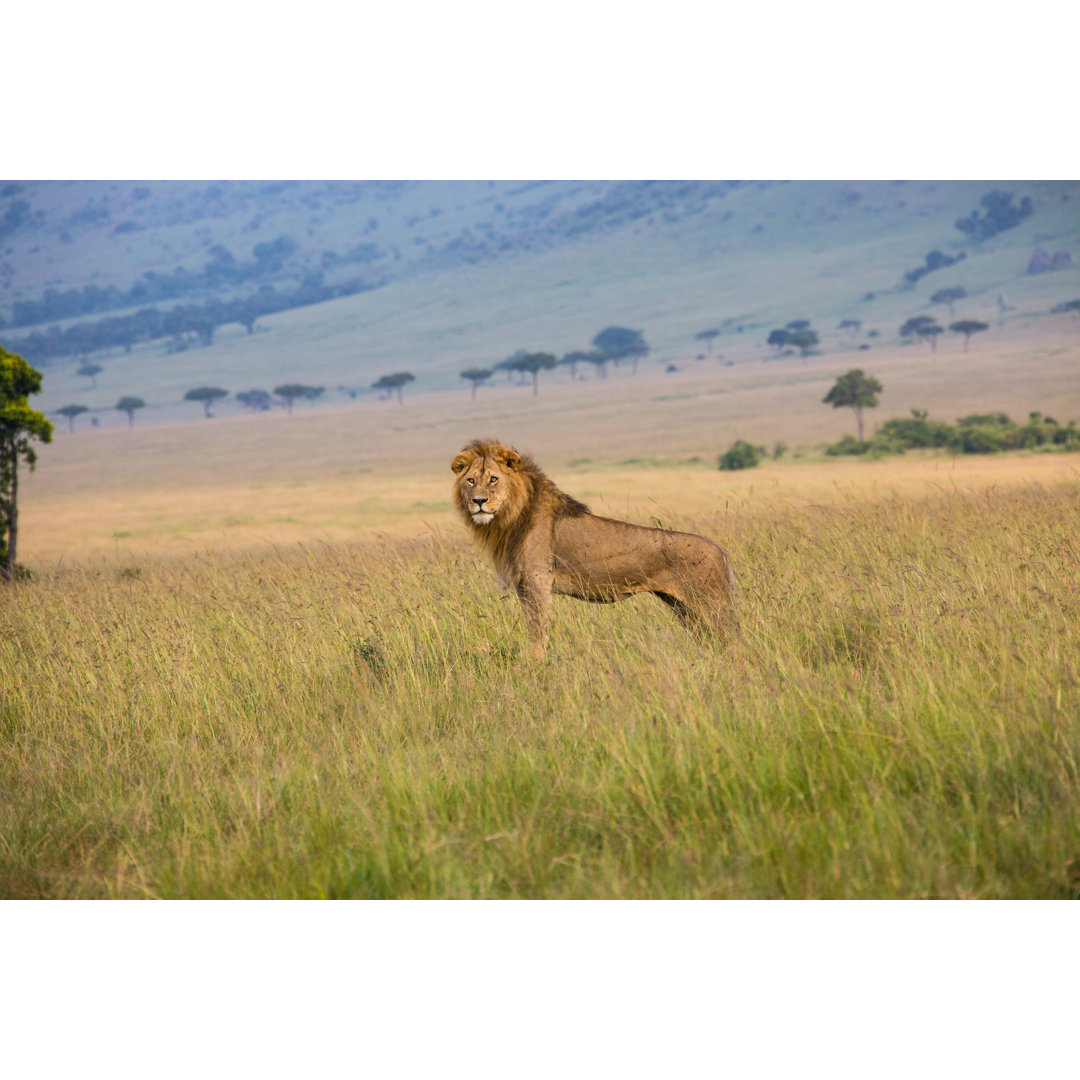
(859,422)
(967,341)
(13,516)
(400,398)
(474,390)
(131,419)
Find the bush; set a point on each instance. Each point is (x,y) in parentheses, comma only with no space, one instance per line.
(916,432)
(847,445)
(979,440)
(742,455)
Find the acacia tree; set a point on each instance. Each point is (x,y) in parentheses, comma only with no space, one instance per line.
(599,359)
(804,339)
(855,390)
(70,412)
(572,359)
(708,336)
(394,383)
(206,396)
(949,296)
(129,405)
(778,338)
(477,375)
(291,391)
(534,363)
(18,425)
(90,371)
(967,327)
(620,343)
(929,332)
(914,325)
(255,400)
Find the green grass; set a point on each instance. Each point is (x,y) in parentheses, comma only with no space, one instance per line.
(902,719)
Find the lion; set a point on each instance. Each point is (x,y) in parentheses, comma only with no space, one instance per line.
(545,543)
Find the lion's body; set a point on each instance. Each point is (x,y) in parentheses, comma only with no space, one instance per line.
(543,542)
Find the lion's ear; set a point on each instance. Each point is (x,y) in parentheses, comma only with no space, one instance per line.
(512,459)
(461,462)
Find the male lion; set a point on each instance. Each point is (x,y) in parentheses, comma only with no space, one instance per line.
(544,542)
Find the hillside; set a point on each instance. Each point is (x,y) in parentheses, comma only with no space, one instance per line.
(440,276)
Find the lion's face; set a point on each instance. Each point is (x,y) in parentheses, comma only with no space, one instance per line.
(487,485)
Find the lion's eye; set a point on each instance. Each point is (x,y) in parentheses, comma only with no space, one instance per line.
(472,480)
(493,480)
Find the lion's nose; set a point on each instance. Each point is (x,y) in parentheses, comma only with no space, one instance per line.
(479,502)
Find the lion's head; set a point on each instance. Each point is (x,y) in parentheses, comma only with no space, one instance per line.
(492,485)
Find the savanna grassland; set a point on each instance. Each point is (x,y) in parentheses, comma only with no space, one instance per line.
(257,656)
(354,717)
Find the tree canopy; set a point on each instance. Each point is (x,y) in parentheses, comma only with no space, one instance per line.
(19,425)
(967,327)
(90,371)
(949,296)
(254,399)
(70,412)
(206,396)
(129,405)
(477,375)
(291,392)
(708,336)
(533,363)
(620,343)
(394,383)
(804,340)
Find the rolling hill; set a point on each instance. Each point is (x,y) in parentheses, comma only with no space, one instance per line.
(439,276)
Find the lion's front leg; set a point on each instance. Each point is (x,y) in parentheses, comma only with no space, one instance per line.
(534,592)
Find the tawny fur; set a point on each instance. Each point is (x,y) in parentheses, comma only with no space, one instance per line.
(544,543)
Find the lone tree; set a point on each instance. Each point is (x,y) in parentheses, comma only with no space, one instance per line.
(779,338)
(708,336)
(129,405)
(534,363)
(620,343)
(18,425)
(71,411)
(394,383)
(949,296)
(929,332)
(967,327)
(855,390)
(291,391)
(477,375)
(90,371)
(206,396)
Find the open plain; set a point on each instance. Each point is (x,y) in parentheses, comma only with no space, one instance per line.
(256,655)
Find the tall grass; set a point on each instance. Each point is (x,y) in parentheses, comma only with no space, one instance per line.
(901,719)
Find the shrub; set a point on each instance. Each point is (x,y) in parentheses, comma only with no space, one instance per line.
(916,431)
(742,455)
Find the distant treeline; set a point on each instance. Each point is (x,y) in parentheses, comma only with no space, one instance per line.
(201,320)
(223,271)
